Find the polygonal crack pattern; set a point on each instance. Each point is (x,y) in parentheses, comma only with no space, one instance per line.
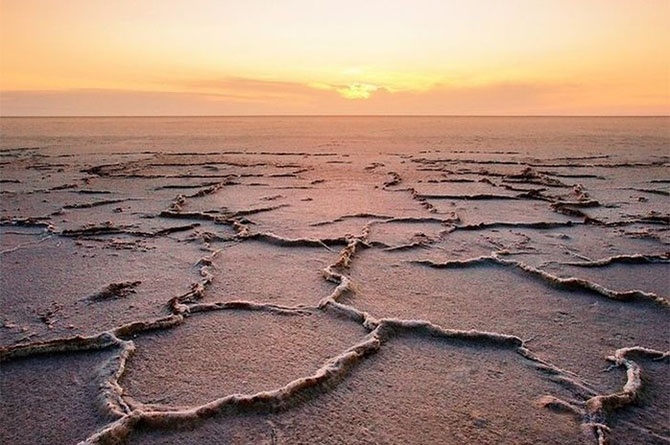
(242,297)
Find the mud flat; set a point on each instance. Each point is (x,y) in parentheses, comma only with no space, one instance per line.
(323,296)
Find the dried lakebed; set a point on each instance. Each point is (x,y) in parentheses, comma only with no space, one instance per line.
(242,297)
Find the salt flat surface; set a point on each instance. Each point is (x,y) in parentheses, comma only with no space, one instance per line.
(349,281)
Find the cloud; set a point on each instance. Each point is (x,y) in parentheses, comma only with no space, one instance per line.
(242,87)
(269,89)
(241,96)
(116,102)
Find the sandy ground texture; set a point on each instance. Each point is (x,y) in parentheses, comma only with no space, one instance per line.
(296,297)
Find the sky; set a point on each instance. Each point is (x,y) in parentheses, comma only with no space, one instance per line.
(308,57)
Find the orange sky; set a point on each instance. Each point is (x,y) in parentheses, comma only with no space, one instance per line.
(204,57)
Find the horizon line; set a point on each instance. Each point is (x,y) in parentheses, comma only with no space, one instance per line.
(129,116)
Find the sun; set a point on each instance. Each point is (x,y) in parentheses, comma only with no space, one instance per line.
(356,91)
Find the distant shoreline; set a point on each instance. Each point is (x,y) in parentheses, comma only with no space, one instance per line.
(255,116)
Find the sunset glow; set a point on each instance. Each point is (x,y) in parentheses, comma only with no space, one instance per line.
(203,57)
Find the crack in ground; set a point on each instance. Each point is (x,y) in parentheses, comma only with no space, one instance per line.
(127,415)
(570,283)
